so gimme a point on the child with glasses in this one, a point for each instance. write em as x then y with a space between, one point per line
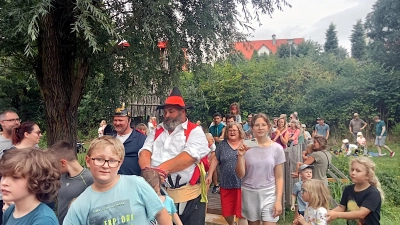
29 177
317 196
114 198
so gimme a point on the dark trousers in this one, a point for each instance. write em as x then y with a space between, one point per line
194 213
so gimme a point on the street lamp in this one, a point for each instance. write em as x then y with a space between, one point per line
290 42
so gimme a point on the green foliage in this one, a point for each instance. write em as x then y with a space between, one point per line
66 44
358 44
382 26
331 40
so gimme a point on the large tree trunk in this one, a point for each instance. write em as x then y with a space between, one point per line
61 74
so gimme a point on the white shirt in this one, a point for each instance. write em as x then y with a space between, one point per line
150 125
168 146
212 149
123 138
315 216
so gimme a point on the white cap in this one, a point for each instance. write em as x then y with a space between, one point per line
345 141
359 134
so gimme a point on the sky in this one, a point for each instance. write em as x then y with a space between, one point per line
310 19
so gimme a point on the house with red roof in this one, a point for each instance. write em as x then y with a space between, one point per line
264 46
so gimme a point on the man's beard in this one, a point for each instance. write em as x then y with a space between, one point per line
171 123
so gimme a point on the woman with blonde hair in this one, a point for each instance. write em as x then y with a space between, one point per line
361 202
294 132
281 136
142 128
230 184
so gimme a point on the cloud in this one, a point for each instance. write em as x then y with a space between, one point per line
311 18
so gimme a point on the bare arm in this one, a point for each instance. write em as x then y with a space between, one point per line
163 218
339 208
278 170
176 219
292 202
284 138
178 163
310 160
144 159
277 133
327 134
365 125
221 137
383 130
213 165
240 166
357 214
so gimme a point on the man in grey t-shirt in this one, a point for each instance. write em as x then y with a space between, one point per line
321 129
356 125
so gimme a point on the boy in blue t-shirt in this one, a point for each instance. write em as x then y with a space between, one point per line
30 177
305 174
114 198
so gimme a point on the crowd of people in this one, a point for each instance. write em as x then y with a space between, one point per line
161 173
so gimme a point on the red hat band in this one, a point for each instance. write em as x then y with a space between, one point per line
175 100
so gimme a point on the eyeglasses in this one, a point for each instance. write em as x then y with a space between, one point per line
37 132
101 162
232 131
13 120
303 190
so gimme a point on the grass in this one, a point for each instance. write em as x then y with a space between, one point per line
387 170
388 173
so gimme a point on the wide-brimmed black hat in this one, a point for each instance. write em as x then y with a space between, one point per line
175 98
122 111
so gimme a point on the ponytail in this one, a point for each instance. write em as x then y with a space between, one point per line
15 138
19 132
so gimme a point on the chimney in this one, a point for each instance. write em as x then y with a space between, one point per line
273 39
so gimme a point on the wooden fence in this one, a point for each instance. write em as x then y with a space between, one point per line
293 155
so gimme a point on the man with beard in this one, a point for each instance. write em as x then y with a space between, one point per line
175 156
132 139
8 120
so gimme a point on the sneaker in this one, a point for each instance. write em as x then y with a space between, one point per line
215 189
392 154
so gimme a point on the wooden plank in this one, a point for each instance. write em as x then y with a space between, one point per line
336 170
342 180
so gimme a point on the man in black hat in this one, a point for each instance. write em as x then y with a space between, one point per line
132 139
173 149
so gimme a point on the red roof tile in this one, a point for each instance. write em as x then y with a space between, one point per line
247 48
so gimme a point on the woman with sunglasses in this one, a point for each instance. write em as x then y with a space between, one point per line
27 135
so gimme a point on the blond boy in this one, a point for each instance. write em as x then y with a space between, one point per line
114 198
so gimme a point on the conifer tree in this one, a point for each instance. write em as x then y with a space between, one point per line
358 43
